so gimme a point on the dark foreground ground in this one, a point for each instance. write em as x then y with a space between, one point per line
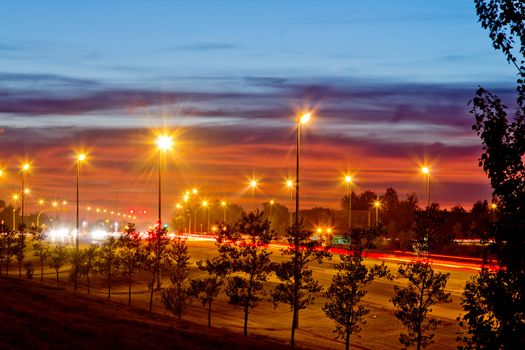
35 316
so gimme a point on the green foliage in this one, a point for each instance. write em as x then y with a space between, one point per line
298 287
431 229
58 258
278 214
40 250
19 251
7 248
74 272
363 238
346 291
155 247
492 319
505 20
207 289
175 297
108 264
249 257
494 301
131 254
412 304
397 215
88 263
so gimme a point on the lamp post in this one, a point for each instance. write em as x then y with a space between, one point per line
295 318
186 198
253 185
223 205
195 191
15 198
302 120
425 170
80 158
25 167
205 205
164 143
272 202
494 206
348 180
289 183
377 204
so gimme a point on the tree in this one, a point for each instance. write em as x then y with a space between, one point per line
207 289
481 219
156 244
279 218
297 286
130 253
494 301
89 263
19 250
40 250
7 245
77 259
346 291
431 231
175 298
108 263
58 258
251 260
412 304
363 238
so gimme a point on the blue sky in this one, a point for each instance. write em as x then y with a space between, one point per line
390 81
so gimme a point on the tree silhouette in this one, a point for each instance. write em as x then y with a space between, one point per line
131 254
7 248
19 251
58 258
413 303
108 263
156 244
40 250
494 301
250 260
297 285
88 264
346 291
218 268
175 297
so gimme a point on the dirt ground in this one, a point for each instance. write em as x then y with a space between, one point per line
266 321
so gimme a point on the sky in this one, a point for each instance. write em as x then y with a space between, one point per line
388 84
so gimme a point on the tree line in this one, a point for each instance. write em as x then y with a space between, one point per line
240 270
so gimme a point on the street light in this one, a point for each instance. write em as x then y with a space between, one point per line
25 167
164 143
303 119
289 184
272 202
377 204
425 170
494 206
224 205
253 185
205 205
195 191
15 198
80 158
348 180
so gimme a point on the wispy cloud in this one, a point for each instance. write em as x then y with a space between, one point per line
210 46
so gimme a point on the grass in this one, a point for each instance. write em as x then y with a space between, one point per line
38 316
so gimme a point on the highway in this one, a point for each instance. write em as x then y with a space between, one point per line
381 290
